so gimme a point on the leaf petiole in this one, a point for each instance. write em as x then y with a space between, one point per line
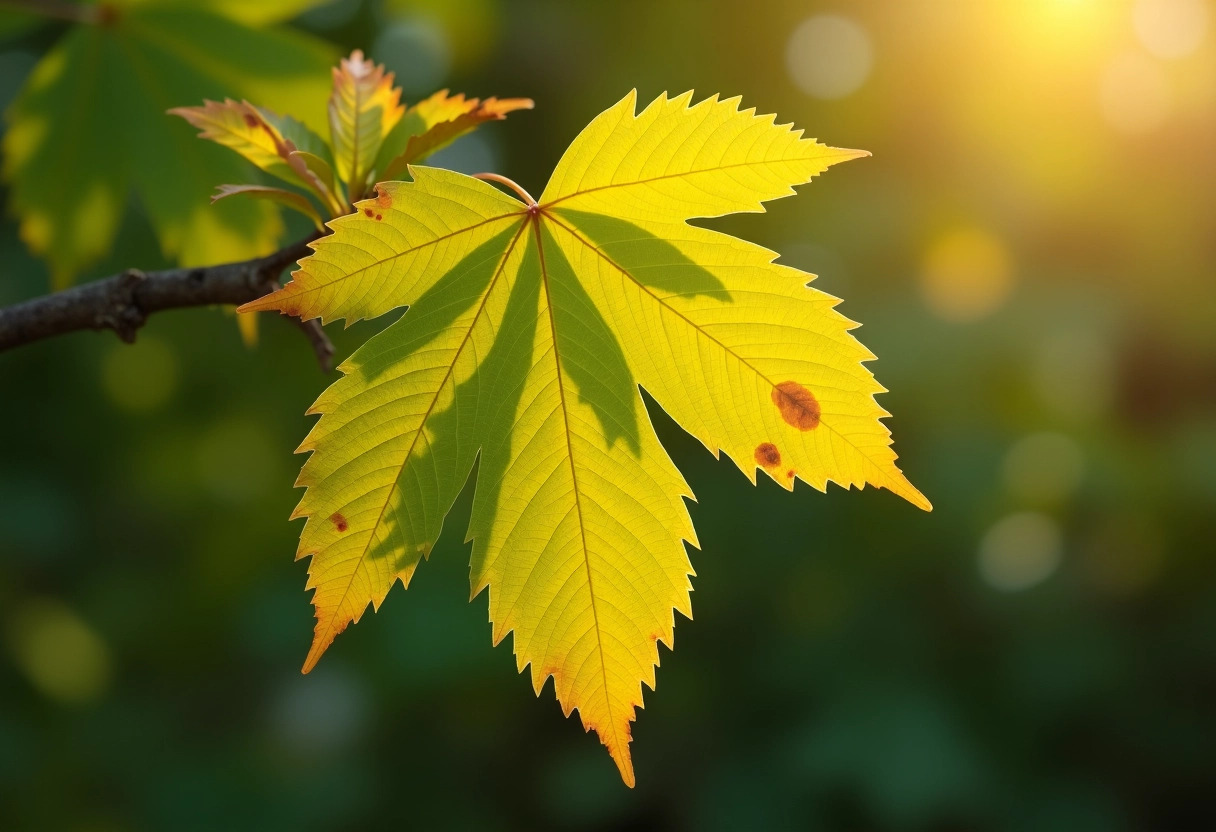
510 183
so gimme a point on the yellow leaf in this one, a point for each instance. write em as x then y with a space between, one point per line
363 109
242 127
447 216
436 122
531 328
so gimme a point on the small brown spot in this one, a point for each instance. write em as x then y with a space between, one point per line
383 198
798 405
368 211
339 521
379 216
251 120
768 455
790 473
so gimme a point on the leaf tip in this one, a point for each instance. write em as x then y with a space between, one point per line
845 154
315 652
261 304
911 493
276 301
322 638
630 102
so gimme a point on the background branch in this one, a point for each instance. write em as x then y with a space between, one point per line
124 302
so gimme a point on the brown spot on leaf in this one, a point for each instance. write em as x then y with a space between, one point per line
339 521
798 406
251 120
368 211
379 216
383 198
790 473
768 455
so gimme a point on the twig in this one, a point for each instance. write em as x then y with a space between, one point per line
124 302
321 344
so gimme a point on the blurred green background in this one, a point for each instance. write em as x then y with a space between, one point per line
1032 250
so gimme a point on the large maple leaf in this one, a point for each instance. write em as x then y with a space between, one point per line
532 328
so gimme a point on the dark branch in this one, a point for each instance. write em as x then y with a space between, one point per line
124 302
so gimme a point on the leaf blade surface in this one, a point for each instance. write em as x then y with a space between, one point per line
532 330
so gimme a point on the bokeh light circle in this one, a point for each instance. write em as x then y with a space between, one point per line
1044 467
1135 93
140 377
967 275
62 656
829 56
1171 28
1020 551
416 52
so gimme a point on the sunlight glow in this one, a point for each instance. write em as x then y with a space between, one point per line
1171 28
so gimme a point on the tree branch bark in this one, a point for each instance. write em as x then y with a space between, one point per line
124 302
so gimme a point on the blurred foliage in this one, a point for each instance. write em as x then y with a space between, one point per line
1036 654
89 127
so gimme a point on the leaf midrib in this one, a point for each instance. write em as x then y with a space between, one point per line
582 530
417 434
545 206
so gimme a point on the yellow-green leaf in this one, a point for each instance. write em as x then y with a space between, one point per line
320 172
531 329
436 122
244 128
363 109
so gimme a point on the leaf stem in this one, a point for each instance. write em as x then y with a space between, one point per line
502 180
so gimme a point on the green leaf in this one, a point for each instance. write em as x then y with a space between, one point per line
300 135
250 12
90 127
531 329
69 171
14 23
